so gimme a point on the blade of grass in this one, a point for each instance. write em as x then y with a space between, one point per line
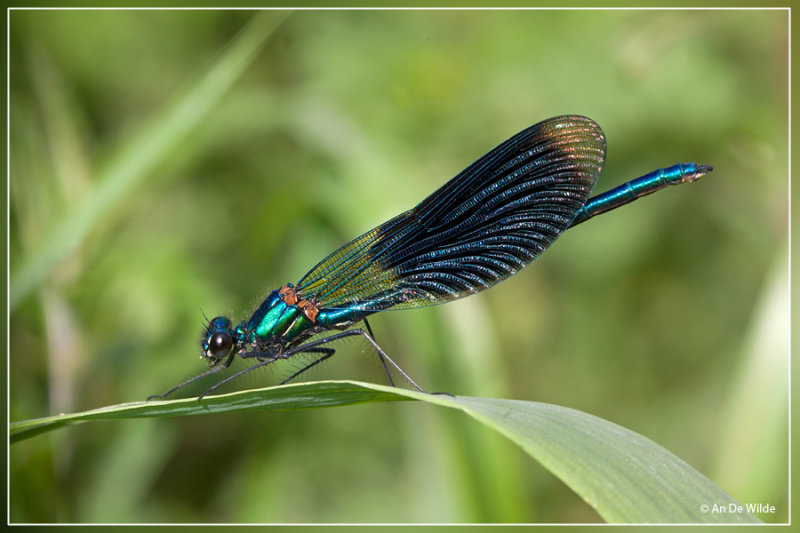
142 152
286 397
626 477
754 457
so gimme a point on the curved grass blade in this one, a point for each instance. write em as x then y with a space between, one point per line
284 397
624 476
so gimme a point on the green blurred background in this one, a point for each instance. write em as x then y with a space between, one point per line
669 317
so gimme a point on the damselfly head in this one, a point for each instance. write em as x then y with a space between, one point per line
218 341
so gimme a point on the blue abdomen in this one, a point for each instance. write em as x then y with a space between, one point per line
330 318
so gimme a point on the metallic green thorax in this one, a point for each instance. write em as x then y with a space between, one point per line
276 321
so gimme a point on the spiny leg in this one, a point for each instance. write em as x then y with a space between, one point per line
327 351
350 333
262 362
383 362
309 347
213 370
265 361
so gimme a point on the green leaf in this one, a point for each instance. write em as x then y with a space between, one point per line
621 474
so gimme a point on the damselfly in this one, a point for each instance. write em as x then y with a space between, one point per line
476 230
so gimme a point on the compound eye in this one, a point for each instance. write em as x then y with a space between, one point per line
219 345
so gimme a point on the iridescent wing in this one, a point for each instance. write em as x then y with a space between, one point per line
479 228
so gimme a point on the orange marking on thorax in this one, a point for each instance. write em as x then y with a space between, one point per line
309 309
289 294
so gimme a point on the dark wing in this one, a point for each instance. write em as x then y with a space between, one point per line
479 228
